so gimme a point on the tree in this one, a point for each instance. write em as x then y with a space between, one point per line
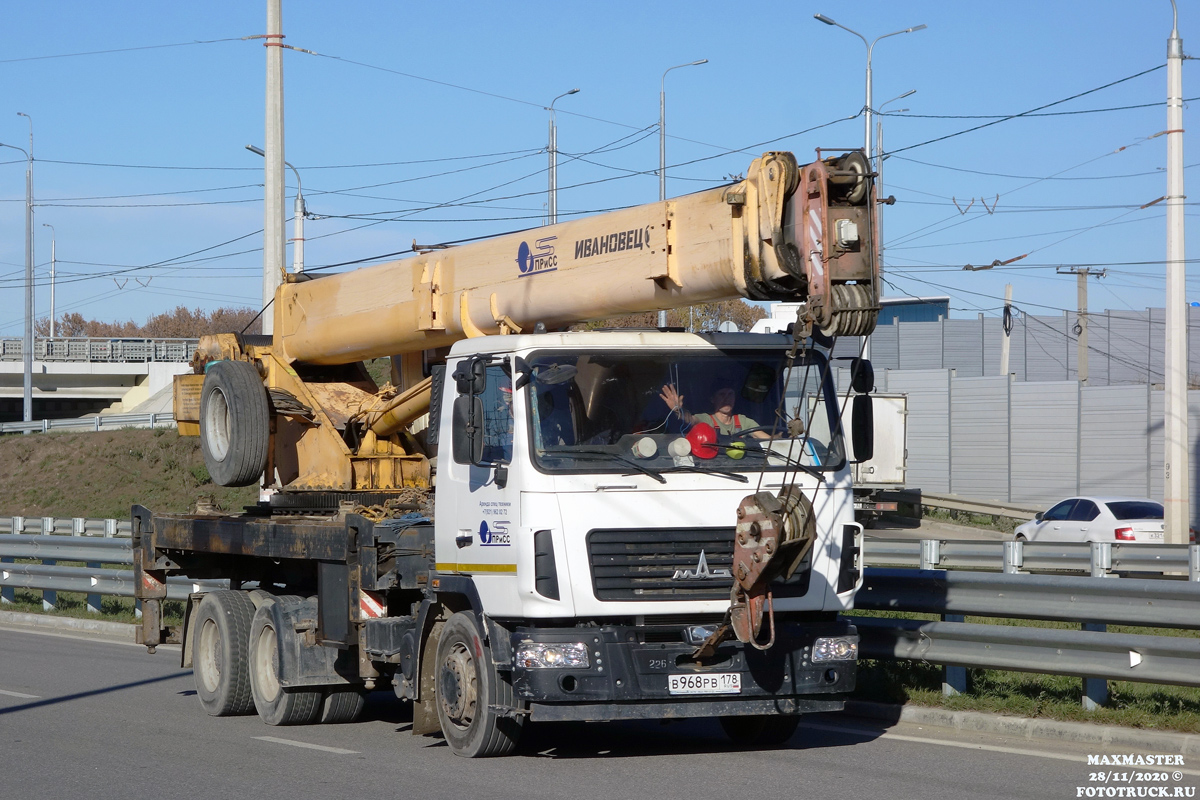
182 323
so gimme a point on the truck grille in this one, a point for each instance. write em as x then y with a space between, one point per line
631 564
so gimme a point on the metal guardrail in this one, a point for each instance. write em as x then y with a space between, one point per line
97 423
101 349
996 508
1090 653
1097 559
94 579
1064 598
73 526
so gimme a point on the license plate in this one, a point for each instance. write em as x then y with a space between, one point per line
1151 536
711 683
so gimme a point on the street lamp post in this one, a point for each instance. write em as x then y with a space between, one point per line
1176 503
53 262
27 347
662 128
298 214
870 49
552 200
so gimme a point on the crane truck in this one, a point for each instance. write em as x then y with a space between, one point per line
520 526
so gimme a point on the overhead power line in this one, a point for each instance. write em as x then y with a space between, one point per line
1026 113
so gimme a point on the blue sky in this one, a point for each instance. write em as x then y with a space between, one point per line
140 159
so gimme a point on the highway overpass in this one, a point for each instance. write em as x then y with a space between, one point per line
76 377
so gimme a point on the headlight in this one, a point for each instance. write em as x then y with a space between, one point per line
541 655
835 648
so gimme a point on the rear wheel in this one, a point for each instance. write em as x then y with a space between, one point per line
342 704
235 419
760 731
275 704
470 690
219 635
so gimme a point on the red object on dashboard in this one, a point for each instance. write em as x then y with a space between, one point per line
703 439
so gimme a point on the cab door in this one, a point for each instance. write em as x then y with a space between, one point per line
480 504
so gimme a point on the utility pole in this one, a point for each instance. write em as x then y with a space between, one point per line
552 195
1176 503
274 235
1081 318
1007 329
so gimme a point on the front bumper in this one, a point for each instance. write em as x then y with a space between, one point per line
627 677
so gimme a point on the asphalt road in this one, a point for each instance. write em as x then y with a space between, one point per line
893 527
89 718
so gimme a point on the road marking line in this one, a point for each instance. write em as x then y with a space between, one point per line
969 746
306 745
19 694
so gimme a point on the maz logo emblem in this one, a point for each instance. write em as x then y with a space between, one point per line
701 572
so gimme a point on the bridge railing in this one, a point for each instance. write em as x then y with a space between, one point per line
101 349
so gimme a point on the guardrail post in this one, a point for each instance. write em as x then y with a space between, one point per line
931 553
1194 562
94 601
1095 690
96 424
1014 557
47 526
8 594
110 528
18 525
1101 559
78 526
954 679
49 597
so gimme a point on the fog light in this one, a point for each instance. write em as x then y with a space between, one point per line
550 655
835 648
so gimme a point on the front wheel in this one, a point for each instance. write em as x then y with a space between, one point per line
470 691
760 731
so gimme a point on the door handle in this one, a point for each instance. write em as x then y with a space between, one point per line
463 540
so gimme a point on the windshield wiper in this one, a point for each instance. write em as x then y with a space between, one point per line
734 476
791 462
606 454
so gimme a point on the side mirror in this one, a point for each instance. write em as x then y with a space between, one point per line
1040 516
862 427
470 376
468 429
862 376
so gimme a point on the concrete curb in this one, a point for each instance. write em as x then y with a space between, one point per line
1103 736
115 630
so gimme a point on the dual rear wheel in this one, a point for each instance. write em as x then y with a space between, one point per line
235 659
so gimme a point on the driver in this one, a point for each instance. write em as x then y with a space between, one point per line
723 419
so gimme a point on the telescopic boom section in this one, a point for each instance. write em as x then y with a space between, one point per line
784 233
322 425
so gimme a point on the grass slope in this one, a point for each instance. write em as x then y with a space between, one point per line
103 474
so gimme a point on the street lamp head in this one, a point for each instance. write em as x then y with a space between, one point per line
698 63
573 91
256 150
824 19
22 114
920 27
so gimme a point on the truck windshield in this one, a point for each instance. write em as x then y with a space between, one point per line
719 411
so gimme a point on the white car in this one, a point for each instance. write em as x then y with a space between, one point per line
1097 519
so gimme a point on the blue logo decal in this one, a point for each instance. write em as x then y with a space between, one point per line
495 535
540 258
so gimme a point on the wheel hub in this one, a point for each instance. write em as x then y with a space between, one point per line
457 686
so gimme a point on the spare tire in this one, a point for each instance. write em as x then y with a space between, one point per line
235 423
